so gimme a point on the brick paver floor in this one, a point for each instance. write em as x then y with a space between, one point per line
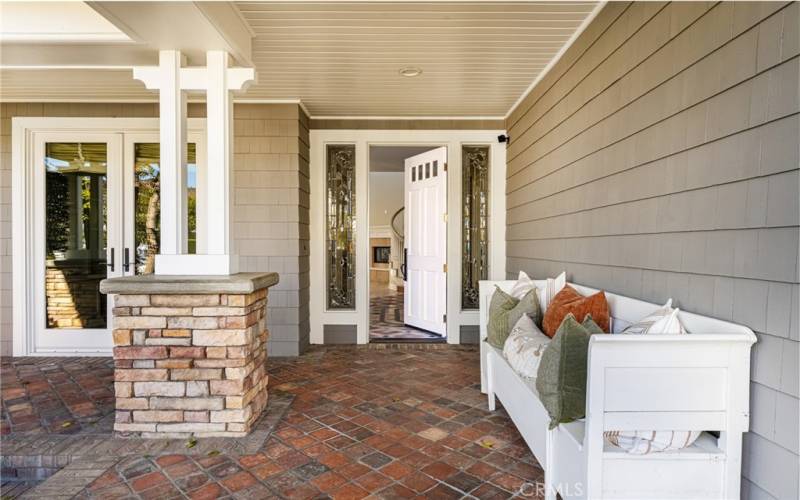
55 395
385 423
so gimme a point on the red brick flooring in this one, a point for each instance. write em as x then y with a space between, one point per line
55 395
383 423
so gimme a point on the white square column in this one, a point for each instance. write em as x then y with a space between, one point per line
166 77
219 151
218 80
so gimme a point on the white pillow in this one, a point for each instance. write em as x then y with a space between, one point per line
662 321
546 294
524 347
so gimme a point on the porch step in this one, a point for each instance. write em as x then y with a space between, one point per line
32 467
58 465
14 488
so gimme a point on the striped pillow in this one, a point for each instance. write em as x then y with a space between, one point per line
663 321
644 442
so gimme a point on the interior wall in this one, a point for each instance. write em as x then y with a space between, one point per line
658 159
270 198
386 196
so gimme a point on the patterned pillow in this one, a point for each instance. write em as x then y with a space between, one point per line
569 301
552 287
662 321
524 347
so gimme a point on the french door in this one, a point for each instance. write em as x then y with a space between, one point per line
77 225
94 214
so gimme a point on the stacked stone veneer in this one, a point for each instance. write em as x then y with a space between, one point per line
190 365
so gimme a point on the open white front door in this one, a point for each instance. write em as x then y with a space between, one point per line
425 291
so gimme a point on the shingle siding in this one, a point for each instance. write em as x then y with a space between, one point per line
659 158
271 213
270 197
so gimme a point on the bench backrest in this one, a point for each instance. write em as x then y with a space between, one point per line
624 311
661 381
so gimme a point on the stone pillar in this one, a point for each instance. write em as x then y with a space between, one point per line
189 353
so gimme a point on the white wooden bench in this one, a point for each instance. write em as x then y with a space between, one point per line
698 381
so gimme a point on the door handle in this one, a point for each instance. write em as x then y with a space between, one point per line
126 260
111 264
403 267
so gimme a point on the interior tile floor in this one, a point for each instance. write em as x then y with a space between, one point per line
379 422
386 318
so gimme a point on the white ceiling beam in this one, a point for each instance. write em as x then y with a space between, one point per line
193 28
66 56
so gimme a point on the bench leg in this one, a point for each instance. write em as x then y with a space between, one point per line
549 489
490 384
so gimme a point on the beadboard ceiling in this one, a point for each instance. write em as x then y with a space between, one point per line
343 58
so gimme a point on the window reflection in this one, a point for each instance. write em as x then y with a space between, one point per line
75 229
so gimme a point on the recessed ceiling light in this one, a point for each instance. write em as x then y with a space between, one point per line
410 71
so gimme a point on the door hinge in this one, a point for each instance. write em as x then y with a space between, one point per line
445 217
444 268
444 318
445 166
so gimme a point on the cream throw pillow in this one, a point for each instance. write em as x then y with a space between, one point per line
546 294
662 321
524 347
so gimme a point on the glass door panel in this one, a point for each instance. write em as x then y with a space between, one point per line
147 203
76 234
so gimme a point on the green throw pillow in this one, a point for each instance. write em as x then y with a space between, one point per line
561 381
505 311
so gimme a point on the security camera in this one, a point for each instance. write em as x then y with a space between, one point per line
503 138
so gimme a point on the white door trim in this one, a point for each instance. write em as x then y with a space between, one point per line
453 140
23 189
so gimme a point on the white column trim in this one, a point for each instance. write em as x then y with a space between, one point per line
215 238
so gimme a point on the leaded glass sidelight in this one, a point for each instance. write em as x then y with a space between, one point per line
341 226
475 223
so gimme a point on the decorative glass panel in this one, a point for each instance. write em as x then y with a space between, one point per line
341 227
475 223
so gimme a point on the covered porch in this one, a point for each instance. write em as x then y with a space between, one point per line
185 256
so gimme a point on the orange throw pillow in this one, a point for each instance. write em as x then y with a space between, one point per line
568 300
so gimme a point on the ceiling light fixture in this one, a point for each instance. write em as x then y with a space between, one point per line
410 71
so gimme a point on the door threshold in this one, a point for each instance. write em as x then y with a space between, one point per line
438 340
